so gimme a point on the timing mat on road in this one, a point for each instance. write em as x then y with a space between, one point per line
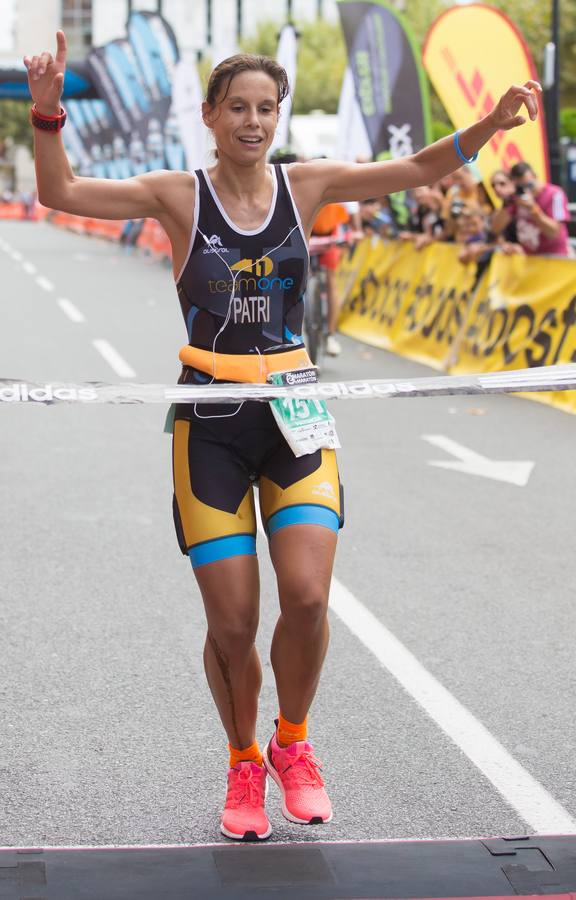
544 378
483 868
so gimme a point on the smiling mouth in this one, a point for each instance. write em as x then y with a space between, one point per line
251 140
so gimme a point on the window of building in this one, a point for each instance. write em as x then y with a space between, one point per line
77 24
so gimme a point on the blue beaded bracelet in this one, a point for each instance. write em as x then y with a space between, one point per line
459 150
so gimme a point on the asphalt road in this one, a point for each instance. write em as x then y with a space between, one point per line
463 726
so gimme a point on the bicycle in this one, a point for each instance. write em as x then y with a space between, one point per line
317 299
316 306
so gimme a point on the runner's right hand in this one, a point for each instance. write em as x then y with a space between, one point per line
46 77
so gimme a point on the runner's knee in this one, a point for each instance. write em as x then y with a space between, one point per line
235 635
304 607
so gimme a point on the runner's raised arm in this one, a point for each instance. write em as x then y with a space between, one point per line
58 186
343 181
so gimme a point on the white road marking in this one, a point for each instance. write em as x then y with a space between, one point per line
519 789
114 359
288 842
511 471
44 283
29 268
70 310
527 797
15 254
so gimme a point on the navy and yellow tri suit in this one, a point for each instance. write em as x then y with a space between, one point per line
242 297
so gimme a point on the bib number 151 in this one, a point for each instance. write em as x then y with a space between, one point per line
301 409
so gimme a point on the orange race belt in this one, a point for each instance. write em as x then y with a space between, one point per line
247 368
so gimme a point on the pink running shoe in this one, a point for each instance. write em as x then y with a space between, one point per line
244 817
297 773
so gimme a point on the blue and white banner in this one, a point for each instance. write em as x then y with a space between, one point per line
134 76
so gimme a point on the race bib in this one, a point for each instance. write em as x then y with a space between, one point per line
306 424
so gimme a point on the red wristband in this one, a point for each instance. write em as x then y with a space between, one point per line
47 123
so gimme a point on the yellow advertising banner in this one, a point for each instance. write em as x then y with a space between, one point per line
412 302
424 305
473 54
523 315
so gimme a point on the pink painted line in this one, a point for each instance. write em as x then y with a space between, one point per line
504 897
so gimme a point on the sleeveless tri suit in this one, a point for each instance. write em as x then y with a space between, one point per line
242 297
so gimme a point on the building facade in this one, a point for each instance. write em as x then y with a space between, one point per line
198 24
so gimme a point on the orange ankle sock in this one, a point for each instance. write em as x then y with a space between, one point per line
288 732
249 754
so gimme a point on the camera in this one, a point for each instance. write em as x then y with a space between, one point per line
456 208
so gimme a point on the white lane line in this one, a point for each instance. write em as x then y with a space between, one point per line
15 254
29 268
70 310
519 789
114 359
44 283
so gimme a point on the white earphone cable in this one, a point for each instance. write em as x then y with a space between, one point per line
234 276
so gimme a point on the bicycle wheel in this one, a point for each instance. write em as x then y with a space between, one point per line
313 319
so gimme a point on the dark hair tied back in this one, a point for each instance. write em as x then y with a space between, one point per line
245 62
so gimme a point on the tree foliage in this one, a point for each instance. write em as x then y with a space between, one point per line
568 122
14 123
534 21
321 62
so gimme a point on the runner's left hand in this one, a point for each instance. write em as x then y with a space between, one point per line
505 113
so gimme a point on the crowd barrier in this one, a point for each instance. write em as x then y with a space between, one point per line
428 306
152 238
16 211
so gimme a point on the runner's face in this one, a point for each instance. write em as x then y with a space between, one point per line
244 121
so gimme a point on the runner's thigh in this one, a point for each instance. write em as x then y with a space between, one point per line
213 499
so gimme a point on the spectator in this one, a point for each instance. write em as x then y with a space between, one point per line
502 185
284 156
327 224
471 233
425 223
28 202
130 233
445 184
464 190
540 211
353 206
369 210
505 190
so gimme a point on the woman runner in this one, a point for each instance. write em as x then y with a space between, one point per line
239 233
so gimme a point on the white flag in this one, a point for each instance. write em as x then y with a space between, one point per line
353 141
286 55
187 96
224 42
